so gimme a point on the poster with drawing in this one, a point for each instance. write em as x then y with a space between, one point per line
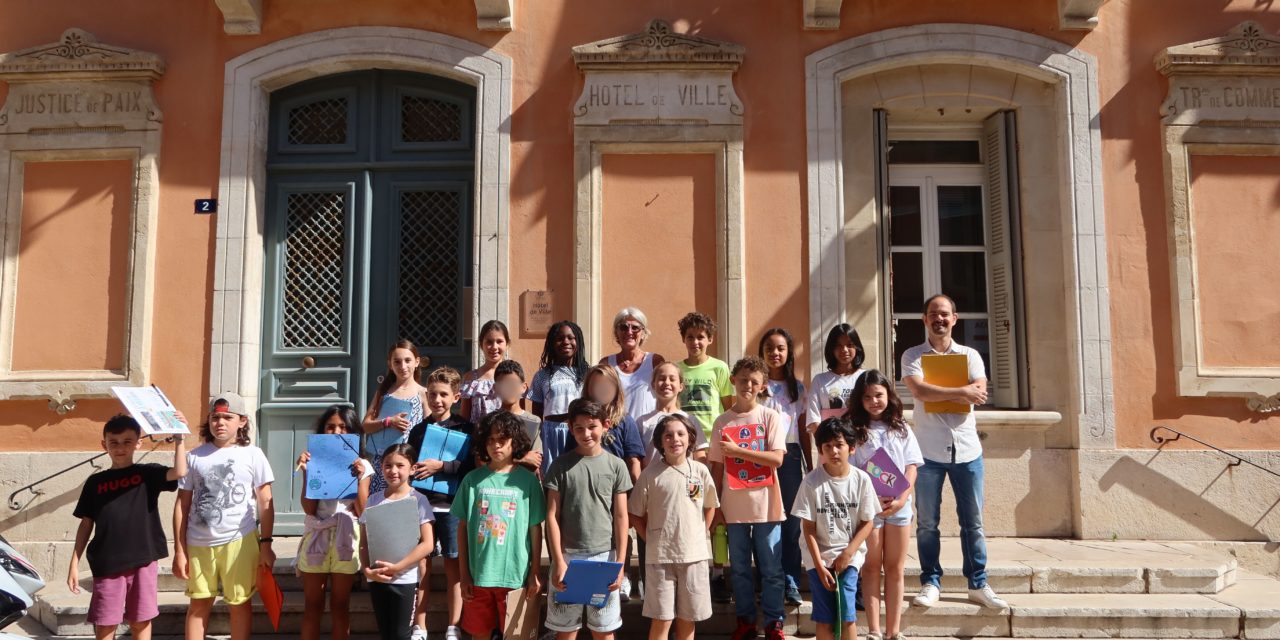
153 411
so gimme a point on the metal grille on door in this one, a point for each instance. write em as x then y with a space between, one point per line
430 273
426 120
319 122
313 267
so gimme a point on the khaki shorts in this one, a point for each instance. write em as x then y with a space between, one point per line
230 568
677 591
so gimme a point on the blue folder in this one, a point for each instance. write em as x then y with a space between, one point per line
329 473
445 445
587 582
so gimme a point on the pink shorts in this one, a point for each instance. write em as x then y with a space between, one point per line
126 596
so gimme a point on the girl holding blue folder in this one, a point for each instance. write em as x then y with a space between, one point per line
876 416
397 406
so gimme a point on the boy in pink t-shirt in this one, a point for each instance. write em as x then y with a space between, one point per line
747 447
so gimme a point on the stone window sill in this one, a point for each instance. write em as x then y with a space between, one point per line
1011 418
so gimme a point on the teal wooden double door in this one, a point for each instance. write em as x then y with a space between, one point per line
368 235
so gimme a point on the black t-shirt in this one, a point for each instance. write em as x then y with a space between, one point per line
126 521
419 432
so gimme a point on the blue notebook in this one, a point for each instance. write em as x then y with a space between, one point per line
329 473
587 582
446 445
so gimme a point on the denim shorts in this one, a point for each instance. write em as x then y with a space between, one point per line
824 602
902 518
445 529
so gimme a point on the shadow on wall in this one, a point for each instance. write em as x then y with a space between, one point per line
1199 511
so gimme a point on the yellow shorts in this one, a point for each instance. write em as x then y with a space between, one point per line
230 569
331 563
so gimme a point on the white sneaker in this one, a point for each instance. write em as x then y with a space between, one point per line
453 633
624 589
986 596
417 633
928 596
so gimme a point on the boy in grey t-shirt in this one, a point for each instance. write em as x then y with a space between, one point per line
586 520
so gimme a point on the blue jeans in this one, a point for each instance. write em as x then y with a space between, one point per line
761 540
790 475
966 484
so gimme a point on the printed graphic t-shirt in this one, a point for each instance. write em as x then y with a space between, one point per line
837 506
704 386
222 483
126 522
499 509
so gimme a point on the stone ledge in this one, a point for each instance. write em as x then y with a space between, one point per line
1015 419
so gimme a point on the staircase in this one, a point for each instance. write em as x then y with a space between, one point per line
1055 589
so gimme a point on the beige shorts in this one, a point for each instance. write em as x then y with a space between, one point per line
677 591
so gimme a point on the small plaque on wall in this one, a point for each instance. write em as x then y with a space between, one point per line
536 309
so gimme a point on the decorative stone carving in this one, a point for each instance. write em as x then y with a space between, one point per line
78 82
822 14
1223 100
658 91
658 76
78 99
495 15
1079 15
241 17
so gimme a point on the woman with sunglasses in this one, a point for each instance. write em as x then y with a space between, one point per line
632 363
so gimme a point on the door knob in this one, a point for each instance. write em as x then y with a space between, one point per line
308 362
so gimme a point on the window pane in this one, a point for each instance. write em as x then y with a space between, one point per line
908 333
906 281
964 278
960 216
973 333
904 216
934 152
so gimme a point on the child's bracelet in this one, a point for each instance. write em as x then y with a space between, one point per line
386 422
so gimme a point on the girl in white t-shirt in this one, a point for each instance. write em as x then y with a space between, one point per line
878 424
786 396
667 383
478 396
393 584
833 388
329 553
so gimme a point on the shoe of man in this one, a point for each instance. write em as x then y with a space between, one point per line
746 630
417 633
986 596
773 631
928 596
793 596
720 589
453 633
624 590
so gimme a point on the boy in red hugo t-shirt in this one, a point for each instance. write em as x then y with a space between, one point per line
118 506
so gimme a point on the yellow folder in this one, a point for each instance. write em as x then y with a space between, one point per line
946 370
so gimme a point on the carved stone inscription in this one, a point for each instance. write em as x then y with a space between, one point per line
705 97
57 105
1205 99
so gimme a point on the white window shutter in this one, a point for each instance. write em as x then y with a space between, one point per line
1006 386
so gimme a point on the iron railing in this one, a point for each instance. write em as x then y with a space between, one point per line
15 505
1238 460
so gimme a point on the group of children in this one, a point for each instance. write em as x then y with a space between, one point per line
675 450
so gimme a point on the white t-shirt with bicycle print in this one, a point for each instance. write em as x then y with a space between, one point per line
222 483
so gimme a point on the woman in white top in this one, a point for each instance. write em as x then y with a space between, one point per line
833 388
633 364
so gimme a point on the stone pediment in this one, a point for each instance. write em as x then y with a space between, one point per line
1246 45
78 54
658 46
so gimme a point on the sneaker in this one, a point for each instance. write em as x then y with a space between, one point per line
720 589
624 590
928 596
897 636
873 636
986 596
773 631
453 633
793 596
417 633
746 630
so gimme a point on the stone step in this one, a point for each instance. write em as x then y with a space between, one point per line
1249 609
1014 565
